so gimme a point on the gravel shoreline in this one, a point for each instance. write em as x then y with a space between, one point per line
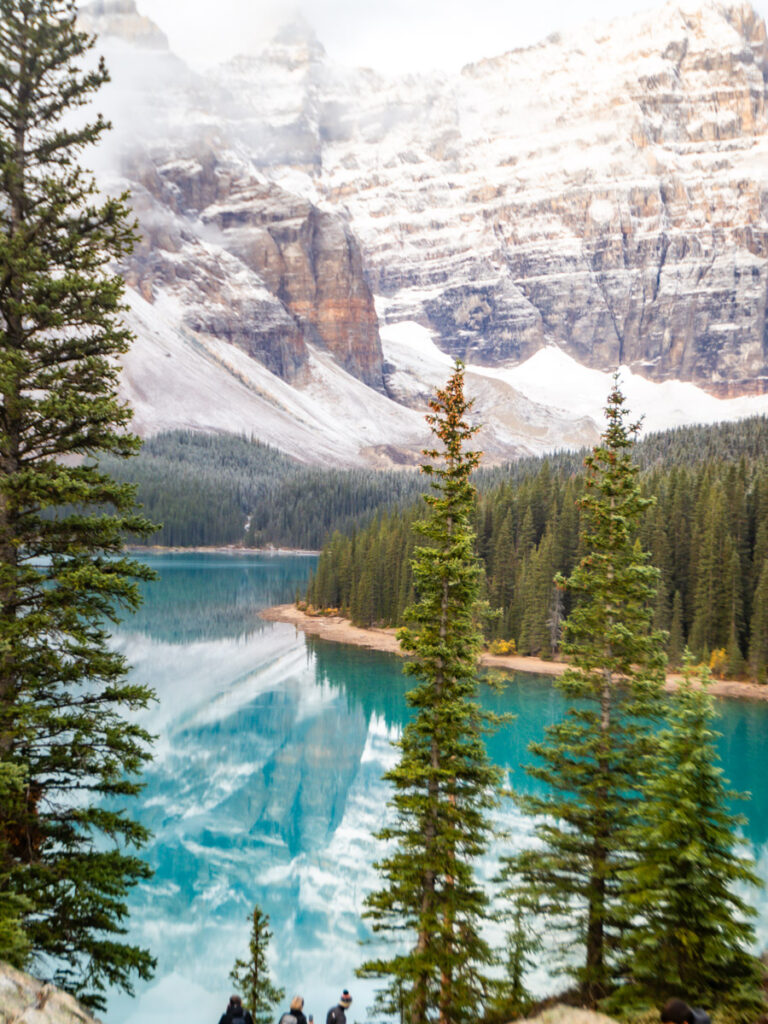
340 630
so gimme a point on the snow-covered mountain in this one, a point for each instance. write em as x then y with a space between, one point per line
319 242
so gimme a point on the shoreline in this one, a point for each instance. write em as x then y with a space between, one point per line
340 630
222 549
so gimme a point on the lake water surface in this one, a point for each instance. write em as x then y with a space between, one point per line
266 785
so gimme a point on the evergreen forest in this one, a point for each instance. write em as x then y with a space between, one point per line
706 531
212 489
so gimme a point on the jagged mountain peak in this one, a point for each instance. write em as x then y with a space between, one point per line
121 19
294 45
704 24
296 31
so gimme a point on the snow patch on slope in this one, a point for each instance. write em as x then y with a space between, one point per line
174 378
554 378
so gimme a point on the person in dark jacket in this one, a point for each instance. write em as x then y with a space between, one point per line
337 1014
236 1013
675 1011
296 1013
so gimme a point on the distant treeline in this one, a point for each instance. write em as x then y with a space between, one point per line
209 489
707 533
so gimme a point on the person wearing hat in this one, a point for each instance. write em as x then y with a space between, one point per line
236 1013
337 1014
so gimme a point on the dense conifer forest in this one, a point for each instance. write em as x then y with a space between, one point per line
707 533
209 489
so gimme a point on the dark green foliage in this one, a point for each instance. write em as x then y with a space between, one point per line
444 784
209 489
66 858
14 944
675 644
513 1000
372 581
707 534
690 930
758 644
712 596
251 976
591 760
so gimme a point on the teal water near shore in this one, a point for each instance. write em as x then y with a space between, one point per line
266 784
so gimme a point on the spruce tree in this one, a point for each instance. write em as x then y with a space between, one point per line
690 929
591 760
68 848
444 784
14 944
676 642
712 596
251 976
660 555
513 1000
758 647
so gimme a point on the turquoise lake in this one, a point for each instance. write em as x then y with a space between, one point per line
266 785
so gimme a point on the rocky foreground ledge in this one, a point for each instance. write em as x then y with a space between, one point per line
560 1014
24 1000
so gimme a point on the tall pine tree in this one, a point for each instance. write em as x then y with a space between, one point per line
444 784
591 760
68 848
690 928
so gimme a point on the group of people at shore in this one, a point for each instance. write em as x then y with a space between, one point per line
674 1011
236 1013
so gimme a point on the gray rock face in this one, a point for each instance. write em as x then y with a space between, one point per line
311 261
604 192
251 263
24 1000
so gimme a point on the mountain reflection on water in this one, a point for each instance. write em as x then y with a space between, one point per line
266 785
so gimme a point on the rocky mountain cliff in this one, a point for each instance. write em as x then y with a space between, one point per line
604 192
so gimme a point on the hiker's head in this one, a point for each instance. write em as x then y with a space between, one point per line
675 1011
235 1001
345 1000
297 1003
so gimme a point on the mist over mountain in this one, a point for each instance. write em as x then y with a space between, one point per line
319 242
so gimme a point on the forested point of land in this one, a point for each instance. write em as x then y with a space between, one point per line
707 533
